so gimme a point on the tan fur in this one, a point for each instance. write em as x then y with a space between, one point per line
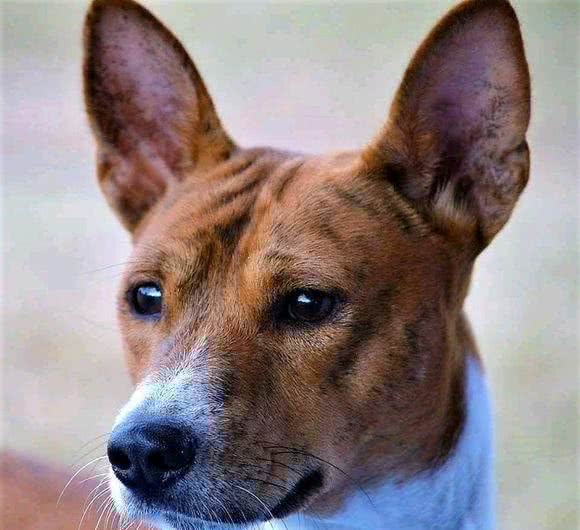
392 230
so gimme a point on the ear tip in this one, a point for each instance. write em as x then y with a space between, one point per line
98 8
102 14
471 9
495 18
100 4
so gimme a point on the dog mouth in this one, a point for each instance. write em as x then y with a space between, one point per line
299 495
243 512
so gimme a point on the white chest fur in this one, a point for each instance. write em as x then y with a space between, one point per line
457 496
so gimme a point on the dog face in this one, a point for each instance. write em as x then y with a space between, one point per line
293 323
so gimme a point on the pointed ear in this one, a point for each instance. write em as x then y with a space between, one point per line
149 109
454 144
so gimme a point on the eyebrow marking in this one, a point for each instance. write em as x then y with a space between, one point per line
408 219
327 230
280 257
408 223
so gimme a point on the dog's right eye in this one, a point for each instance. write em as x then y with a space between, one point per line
146 299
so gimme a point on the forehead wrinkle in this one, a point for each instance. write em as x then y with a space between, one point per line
215 207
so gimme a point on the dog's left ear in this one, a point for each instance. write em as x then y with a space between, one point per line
454 144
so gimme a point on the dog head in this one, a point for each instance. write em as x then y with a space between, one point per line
293 323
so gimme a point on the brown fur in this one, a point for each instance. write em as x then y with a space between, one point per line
392 230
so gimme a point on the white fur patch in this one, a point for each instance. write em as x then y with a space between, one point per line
137 398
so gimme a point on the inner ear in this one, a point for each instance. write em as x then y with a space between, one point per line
456 130
151 113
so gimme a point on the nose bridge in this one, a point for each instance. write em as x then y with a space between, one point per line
187 380
192 374
201 352
177 392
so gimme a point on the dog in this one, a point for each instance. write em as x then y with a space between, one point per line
293 323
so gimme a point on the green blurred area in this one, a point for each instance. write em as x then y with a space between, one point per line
307 76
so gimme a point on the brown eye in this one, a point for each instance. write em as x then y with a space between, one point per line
146 299
309 305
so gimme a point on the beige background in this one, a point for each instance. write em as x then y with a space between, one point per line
305 76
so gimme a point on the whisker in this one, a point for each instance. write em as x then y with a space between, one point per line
283 488
73 477
225 510
102 509
278 463
80 458
266 472
97 496
262 503
108 267
93 440
100 475
101 483
110 512
290 450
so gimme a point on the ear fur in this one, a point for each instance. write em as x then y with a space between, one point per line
149 109
454 144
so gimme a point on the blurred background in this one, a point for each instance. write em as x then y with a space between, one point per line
307 76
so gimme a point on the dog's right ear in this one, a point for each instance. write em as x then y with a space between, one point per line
149 109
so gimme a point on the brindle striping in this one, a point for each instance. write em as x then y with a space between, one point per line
388 233
284 180
361 332
359 200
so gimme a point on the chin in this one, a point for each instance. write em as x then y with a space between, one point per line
170 514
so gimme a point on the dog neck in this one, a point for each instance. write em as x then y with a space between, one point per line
458 495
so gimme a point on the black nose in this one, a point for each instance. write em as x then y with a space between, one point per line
150 454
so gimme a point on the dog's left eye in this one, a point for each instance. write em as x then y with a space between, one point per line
146 299
309 305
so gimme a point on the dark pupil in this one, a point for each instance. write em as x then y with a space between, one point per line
147 299
309 306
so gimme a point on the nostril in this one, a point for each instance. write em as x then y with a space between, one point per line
119 459
170 458
179 458
156 461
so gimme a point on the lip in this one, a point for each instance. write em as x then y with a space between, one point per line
231 517
234 520
156 511
299 494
